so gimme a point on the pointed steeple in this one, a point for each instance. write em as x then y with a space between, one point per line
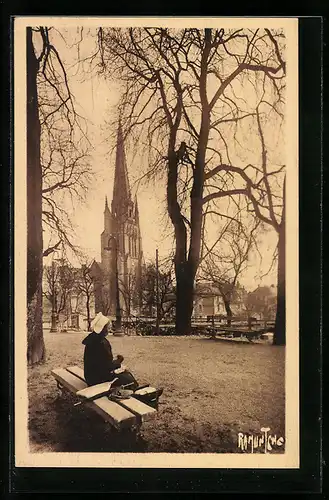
136 209
108 219
121 189
138 226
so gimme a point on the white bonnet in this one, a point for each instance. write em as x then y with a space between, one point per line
99 322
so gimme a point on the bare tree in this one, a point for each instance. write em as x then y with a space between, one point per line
63 178
265 195
64 147
59 284
129 291
181 92
51 112
84 286
104 292
227 259
35 342
166 288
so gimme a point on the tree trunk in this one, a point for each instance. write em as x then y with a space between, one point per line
184 291
279 337
185 274
35 342
88 314
187 266
228 311
184 299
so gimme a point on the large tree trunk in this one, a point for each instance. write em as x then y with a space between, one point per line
35 342
184 299
280 320
184 293
187 266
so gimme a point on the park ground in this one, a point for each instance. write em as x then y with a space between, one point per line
213 389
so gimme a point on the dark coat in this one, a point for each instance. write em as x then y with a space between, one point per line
98 359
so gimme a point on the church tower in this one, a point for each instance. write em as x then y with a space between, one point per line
121 242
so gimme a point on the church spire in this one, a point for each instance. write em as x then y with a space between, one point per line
108 220
136 208
121 189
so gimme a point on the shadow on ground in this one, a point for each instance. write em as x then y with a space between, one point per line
65 428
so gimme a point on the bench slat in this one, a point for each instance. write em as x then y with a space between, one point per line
143 411
76 370
89 392
145 390
118 416
112 412
68 380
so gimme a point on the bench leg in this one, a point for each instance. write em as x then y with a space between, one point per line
60 387
135 433
63 392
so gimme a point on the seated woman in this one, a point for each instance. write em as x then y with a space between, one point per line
99 364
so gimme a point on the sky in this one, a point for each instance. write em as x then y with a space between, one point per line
96 100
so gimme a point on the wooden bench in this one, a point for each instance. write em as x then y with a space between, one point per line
122 414
228 331
250 335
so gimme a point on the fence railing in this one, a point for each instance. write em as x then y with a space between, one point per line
210 324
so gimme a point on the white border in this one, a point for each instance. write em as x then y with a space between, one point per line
162 460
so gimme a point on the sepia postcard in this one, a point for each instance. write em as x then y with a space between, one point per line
156 242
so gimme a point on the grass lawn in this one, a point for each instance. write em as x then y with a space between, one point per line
212 391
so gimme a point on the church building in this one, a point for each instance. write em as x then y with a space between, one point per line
121 246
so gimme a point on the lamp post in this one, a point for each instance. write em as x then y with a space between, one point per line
117 328
53 328
54 315
157 325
